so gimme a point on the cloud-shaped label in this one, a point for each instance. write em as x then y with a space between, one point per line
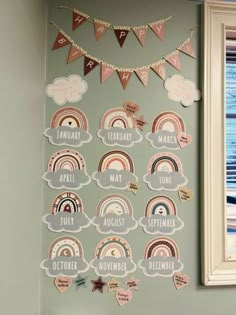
113 223
64 135
112 178
109 266
163 139
160 224
66 222
160 266
64 178
125 137
68 89
181 90
165 180
66 266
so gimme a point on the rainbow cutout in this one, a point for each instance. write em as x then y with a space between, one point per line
66 246
163 247
168 121
164 162
114 204
117 160
66 160
117 117
68 202
113 246
69 117
161 205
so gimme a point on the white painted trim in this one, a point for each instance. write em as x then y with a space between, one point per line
218 16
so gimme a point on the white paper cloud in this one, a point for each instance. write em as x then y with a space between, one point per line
68 89
181 90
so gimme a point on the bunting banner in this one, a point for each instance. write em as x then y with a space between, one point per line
124 74
121 32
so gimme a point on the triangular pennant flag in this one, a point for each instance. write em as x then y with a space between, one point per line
100 28
121 35
158 28
60 41
143 75
78 19
160 69
124 77
89 65
141 33
187 48
106 72
174 60
75 53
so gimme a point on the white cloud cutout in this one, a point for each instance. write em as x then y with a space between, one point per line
181 90
68 89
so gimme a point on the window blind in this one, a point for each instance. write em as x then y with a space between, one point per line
231 115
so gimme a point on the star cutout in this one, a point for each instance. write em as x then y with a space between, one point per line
141 122
98 285
134 187
113 285
132 283
80 282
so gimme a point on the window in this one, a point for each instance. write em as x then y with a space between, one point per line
230 104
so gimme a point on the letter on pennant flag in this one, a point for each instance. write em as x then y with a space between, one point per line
106 72
100 28
187 48
74 54
121 35
158 28
78 19
160 69
89 65
141 33
60 41
124 77
174 60
143 75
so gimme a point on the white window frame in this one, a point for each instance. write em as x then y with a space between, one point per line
217 270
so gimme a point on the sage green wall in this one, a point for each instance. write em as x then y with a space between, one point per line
155 295
22 68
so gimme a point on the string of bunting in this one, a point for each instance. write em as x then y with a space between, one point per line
90 62
120 31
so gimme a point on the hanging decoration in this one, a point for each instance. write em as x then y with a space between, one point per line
121 32
124 74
